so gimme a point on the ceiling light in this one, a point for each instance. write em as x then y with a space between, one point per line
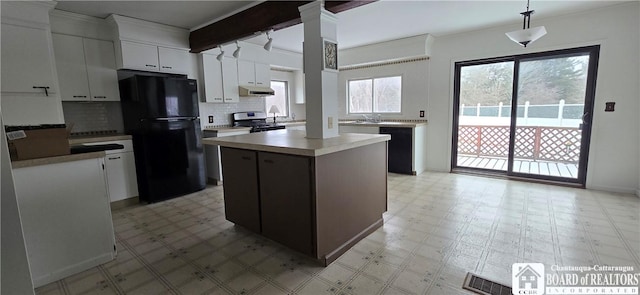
267 46
527 35
236 53
221 55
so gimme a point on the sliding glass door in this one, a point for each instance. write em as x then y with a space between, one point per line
526 116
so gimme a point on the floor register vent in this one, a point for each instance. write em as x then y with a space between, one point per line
484 286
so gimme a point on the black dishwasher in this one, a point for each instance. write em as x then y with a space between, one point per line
400 149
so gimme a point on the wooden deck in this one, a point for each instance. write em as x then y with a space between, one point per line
521 166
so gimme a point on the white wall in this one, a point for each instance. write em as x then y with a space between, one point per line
415 77
613 158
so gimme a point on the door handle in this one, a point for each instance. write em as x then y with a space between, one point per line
584 118
113 158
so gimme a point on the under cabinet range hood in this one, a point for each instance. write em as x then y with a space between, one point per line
255 91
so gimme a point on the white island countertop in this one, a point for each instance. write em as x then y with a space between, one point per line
294 142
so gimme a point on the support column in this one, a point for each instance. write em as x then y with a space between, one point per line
321 70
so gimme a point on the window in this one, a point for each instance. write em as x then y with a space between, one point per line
377 95
280 99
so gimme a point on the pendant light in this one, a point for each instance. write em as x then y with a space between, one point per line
527 35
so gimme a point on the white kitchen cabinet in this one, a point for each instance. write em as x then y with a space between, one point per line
27 60
212 72
173 60
66 218
121 170
86 69
138 56
101 70
230 80
220 79
253 74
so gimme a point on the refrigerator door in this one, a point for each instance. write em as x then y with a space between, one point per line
169 159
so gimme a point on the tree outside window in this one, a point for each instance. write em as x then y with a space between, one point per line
280 99
377 95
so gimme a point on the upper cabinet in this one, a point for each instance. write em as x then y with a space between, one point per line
253 73
86 69
147 46
138 56
173 60
27 63
220 79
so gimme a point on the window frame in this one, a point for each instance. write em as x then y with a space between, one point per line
286 98
373 78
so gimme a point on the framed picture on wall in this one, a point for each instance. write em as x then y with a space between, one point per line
330 56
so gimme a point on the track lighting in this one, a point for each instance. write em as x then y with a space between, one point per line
221 55
267 46
236 53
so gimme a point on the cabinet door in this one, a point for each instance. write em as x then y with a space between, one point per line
246 73
173 60
212 70
285 200
101 70
27 60
139 56
71 67
241 195
121 176
230 80
263 75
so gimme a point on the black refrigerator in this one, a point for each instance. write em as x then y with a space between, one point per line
161 115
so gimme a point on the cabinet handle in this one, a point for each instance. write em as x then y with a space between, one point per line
46 89
79 96
165 67
268 161
114 158
99 97
153 66
245 158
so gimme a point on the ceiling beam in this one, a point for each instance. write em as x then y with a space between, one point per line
268 15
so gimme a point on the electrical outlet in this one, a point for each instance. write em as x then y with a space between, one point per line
421 113
211 119
330 122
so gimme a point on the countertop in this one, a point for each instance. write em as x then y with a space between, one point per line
54 160
97 138
294 142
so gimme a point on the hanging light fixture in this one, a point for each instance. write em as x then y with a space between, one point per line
236 53
221 55
267 46
527 35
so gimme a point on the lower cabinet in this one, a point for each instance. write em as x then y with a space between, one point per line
260 196
121 170
241 192
285 205
400 149
66 218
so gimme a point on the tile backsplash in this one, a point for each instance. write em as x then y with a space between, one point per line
221 112
93 116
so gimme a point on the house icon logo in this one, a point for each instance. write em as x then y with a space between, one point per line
527 278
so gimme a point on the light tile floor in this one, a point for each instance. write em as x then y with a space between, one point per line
439 226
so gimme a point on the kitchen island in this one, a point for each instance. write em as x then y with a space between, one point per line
316 196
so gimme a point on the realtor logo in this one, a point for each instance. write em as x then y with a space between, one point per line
527 278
